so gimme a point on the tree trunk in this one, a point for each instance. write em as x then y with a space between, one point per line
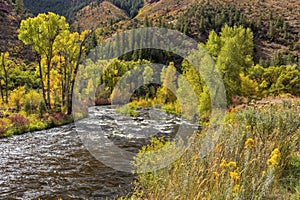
70 93
42 82
48 83
1 92
5 77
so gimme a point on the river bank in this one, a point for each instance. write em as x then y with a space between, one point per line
55 163
20 123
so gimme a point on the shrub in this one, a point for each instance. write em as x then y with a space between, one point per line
20 123
17 97
3 127
32 101
127 110
36 124
57 118
247 161
27 107
42 108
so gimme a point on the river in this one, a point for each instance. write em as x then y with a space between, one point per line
55 163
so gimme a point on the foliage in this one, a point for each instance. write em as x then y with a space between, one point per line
32 100
19 123
233 52
17 97
275 80
58 119
60 52
128 110
249 88
42 108
249 158
167 93
3 126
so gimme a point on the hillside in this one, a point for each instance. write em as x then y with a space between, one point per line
157 8
9 24
276 24
67 8
96 14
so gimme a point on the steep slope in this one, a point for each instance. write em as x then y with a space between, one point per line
131 7
67 8
276 24
95 14
9 25
157 8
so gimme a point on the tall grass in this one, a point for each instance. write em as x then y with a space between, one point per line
251 160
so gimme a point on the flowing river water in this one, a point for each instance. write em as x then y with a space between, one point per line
55 163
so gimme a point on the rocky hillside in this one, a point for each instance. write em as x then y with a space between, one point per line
10 19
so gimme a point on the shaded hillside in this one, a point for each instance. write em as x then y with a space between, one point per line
131 7
9 25
67 8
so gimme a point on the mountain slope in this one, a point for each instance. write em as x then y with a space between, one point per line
276 24
157 8
95 14
9 25
67 8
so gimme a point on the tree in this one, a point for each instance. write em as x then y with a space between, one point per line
205 103
41 32
69 49
232 51
60 50
289 81
148 78
5 65
169 84
17 97
248 87
213 44
19 6
187 98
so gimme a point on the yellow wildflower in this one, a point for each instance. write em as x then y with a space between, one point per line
234 176
274 158
231 164
249 143
236 188
223 163
216 174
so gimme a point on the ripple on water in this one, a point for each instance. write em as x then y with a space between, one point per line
55 164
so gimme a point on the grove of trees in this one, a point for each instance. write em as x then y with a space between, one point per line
59 53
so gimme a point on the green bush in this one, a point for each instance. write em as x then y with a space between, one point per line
128 110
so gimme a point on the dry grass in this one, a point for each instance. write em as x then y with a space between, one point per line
248 161
93 15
